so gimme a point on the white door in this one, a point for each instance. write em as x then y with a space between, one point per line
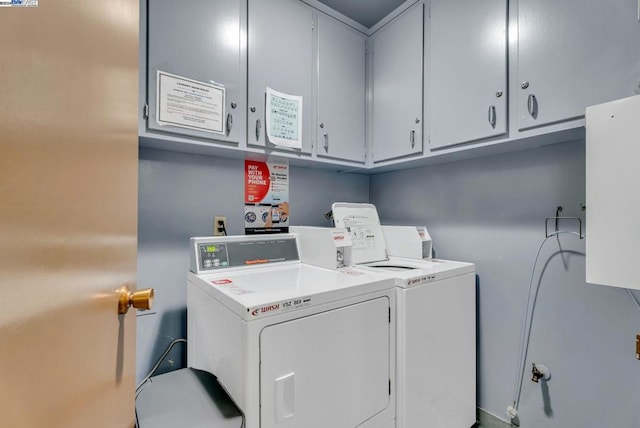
341 91
68 204
468 71
573 54
199 40
397 79
326 370
280 56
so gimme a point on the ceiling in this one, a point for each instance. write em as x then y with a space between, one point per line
366 12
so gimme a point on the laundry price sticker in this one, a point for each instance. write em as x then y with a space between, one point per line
351 272
229 286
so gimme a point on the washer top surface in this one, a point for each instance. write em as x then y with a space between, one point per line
257 292
412 272
370 252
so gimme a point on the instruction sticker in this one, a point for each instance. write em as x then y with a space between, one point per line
351 272
228 285
284 119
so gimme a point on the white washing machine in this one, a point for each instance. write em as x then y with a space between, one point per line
436 359
294 345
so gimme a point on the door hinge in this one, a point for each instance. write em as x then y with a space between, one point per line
145 111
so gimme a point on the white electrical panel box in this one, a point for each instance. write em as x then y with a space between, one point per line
408 241
323 246
613 199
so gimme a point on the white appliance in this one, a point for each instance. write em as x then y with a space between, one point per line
436 354
294 345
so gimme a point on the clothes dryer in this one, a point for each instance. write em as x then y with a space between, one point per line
436 354
294 345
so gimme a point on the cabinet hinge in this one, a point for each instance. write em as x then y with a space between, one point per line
145 111
389 386
389 315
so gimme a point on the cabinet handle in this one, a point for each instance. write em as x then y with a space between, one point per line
258 127
492 116
326 142
229 123
412 138
532 106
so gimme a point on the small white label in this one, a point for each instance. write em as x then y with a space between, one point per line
351 272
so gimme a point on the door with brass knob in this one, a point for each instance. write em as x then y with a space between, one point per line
69 196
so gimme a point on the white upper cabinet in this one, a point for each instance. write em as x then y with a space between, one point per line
280 57
201 42
341 91
573 54
468 71
613 201
396 87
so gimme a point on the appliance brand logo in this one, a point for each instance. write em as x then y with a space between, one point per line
265 309
421 279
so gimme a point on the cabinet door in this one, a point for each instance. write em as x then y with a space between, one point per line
326 370
468 71
396 107
612 152
573 54
280 57
199 41
341 91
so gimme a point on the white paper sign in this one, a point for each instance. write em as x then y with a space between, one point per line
188 103
284 119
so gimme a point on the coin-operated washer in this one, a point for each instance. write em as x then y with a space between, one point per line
294 345
436 359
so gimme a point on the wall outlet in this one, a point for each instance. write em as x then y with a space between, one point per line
219 226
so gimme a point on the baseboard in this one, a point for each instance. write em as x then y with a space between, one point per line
487 420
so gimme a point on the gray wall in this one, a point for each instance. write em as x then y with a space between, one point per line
491 211
179 194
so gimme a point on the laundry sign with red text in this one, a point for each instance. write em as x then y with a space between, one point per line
266 197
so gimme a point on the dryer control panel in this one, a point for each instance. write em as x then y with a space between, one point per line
215 253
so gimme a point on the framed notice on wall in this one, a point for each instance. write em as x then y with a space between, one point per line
190 104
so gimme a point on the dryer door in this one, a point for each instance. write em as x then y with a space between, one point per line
326 370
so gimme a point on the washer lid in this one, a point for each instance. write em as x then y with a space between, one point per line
363 224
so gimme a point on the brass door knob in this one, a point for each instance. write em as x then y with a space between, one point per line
141 299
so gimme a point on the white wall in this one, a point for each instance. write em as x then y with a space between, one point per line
491 211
